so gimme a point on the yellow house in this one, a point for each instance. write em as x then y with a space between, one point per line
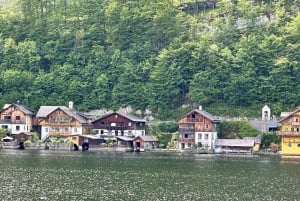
290 133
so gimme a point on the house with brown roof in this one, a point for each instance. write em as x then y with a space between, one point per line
17 118
145 142
199 128
62 121
290 132
119 124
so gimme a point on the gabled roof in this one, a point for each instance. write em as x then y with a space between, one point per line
44 111
203 113
124 138
128 116
234 142
147 138
22 108
290 114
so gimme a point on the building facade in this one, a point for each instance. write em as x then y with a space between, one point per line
62 121
197 128
17 118
119 124
290 133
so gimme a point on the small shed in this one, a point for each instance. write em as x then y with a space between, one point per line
125 142
92 140
145 142
242 146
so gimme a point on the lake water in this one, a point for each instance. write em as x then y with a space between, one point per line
65 175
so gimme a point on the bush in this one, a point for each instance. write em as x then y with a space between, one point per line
27 143
168 127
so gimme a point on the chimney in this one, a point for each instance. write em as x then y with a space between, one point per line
71 104
200 107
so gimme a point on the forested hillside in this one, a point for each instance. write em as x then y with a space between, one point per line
156 54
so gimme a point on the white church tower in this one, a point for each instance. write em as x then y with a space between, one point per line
266 113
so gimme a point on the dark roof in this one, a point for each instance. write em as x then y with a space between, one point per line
261 125
44 111
128 116
124 138
205 114
147 138
234 142
257 140
22 108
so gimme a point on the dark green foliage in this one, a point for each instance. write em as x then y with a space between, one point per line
268 138
235 129
168 127
150 54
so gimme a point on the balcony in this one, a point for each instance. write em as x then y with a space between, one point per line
55 133
188 140
186 129
295 123
194 119
288 133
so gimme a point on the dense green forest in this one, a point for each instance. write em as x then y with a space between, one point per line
150 54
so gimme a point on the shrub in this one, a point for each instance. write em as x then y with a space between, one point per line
27 143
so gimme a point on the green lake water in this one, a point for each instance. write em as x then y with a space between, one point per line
66 175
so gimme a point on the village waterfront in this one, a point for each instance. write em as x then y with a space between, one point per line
67 175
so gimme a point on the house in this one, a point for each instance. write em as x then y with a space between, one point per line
17 118
145 142
234 146
290 133
119 124
197 128
62 121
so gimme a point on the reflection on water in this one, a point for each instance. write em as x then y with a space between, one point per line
54 175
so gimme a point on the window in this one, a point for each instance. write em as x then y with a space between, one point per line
102 131
289 144
75 130
4 126
18 118
66 129
7 117
206 137
116 116
17 128
129 123
297 129
298 145
46 130
143 133
186 135
206 126
129 132
199 136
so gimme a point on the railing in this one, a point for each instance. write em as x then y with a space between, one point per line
190 140
288 133
190 129
295 123
61 133
194 119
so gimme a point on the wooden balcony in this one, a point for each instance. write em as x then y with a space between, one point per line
295 123
189 140
186 129
192 120
54 133
288 133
